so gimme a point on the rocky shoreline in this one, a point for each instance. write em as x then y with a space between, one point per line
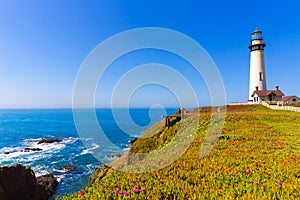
20 183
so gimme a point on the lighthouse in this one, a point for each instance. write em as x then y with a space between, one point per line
257 63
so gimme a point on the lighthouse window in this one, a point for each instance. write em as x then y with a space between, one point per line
261 76
257 36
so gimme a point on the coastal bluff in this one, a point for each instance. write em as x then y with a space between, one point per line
256 156
20 183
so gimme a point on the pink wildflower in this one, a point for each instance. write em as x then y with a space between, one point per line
118 192
136 191
81 192
279 182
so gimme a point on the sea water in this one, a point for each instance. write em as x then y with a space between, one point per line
21 128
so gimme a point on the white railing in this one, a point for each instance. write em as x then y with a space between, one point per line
280 107
238 103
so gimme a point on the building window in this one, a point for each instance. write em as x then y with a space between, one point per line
294 100
261 77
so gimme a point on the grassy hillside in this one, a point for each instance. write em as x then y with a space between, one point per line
257 156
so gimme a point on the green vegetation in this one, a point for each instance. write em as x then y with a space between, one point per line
162 135
257 156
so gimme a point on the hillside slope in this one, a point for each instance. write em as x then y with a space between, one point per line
257 156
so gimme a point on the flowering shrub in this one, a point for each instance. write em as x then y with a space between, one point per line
257 157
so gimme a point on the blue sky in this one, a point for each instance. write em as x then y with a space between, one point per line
43 43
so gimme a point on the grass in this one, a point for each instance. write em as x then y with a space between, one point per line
257 156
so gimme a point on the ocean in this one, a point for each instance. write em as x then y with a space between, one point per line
24 128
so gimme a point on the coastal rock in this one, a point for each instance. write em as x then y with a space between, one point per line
17 182
47 182
20 183
115 156
48 141
69 167
99 174
133 140
27 149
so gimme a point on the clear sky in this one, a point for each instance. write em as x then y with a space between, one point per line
43 43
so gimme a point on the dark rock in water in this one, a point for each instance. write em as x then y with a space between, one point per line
49 141
115 155
47 182
99 174
20 183
27 149
69 167
133 140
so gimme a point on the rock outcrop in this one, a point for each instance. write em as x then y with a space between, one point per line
99 174
28 149
69 168
47 141
47 182
133 140
20 183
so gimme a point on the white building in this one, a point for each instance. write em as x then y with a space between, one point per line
267 95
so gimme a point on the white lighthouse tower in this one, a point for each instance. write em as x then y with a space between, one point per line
257 63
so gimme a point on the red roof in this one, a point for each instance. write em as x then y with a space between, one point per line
286 98
264 93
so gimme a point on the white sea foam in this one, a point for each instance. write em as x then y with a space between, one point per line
17 153
59 177
90 168
60 170
126 149
86 151
40 172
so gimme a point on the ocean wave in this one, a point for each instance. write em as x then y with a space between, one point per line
19 153
86 151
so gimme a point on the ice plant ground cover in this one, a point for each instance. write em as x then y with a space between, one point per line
257 156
